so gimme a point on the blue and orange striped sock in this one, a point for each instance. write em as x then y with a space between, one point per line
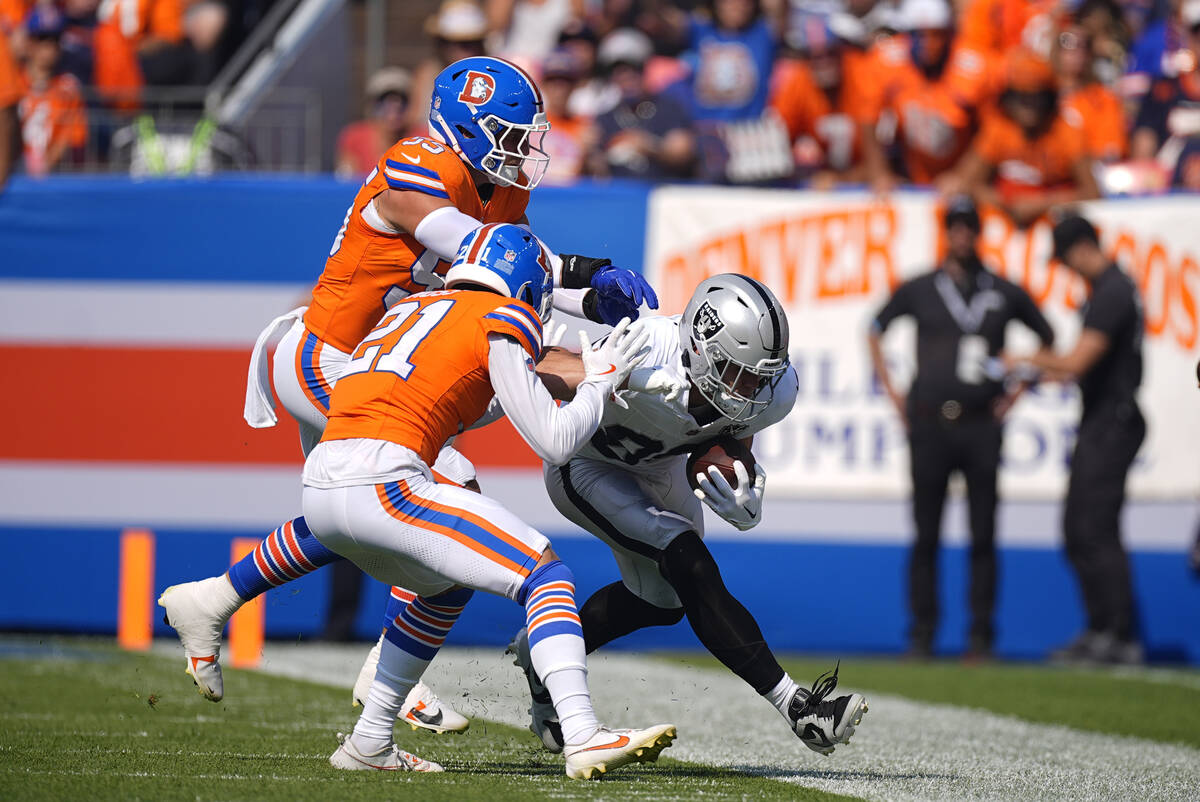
398 599
288 553
412 639
556 647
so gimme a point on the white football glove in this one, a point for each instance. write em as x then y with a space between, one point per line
616 356
741 507
666 382
553 333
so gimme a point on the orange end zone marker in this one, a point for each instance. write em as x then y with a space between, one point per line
246 626
135 590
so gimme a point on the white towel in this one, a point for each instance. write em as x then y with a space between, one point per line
260 404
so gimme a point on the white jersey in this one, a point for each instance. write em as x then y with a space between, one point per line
654 432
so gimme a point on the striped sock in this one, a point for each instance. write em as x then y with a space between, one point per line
412 639
288 553
556 648
398 599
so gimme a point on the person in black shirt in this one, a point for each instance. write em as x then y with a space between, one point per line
1107 364
954 412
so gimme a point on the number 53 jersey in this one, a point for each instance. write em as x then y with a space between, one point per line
653 432
372 265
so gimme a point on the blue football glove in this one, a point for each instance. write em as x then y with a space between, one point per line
620 292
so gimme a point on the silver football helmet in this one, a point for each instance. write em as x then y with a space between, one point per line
734 335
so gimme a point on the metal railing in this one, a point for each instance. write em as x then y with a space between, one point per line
174 133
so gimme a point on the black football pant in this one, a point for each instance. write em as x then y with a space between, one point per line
937 448
1109 439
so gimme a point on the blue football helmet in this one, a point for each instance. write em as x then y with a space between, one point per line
508 259
490 113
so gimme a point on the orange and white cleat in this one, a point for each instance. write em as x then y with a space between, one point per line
198 611
390 758
609 749
422 709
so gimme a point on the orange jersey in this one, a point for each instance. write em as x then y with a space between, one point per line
936 117
1024 166
994 27
1101 116
52 115
368 269
11 85
807 111
422 375
13 13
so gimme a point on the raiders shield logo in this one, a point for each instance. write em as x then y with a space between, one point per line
479 88
706 324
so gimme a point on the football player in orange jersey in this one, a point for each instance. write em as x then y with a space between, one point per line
933 85
1028 156
433 366
399 234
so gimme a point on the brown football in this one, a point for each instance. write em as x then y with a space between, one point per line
721 452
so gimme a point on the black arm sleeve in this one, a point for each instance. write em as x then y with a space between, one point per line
898 305
1029 314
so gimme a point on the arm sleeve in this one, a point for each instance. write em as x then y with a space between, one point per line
1029 314
898 305
554 433
570 302
443 230
1108 309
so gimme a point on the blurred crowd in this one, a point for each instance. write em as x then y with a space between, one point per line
60 58
1023 103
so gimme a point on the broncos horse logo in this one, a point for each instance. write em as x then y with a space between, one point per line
478 89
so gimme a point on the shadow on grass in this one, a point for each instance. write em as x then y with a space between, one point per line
776 773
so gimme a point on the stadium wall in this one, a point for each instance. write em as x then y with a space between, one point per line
127 311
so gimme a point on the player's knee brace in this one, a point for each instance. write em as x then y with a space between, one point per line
688 565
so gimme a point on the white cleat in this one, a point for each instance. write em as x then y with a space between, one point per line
822 724
422 708
390 758
543 717
610 749
193 609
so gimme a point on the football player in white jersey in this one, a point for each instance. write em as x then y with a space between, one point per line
722 370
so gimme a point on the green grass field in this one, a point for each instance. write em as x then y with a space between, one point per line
83 720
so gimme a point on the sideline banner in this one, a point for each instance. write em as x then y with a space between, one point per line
833 258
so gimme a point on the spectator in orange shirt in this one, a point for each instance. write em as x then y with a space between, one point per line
1100 111
361 144
933 86
813 92
137 42
1029 156
10 92
569 138
53 119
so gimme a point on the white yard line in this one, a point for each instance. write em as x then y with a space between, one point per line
902 750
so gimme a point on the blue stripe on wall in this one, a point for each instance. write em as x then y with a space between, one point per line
841 599
249 228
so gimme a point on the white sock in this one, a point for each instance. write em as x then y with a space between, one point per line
781 695
559 661
220 594
394 678
573 703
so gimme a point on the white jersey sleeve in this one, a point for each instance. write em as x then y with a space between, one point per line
555 433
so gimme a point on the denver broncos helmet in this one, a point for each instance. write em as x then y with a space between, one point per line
490 113
508 259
